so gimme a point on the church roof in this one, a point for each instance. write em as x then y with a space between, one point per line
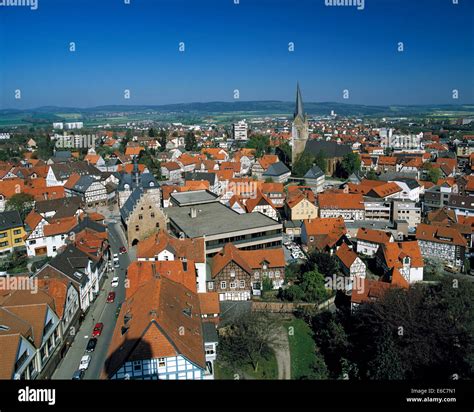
329 148
299 111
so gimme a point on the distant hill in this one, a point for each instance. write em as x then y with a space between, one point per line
250 108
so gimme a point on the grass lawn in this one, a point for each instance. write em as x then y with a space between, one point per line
267 369
302 348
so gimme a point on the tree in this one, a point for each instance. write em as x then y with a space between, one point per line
293 293
431 329
21 202
350 164
325 263
284 153
332 339
371 175
260 143
321 161
303 163
387 364
190 143
313 286
151 132
267 285
152 164
433 173
163 140
248 339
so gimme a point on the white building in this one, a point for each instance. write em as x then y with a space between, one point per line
239 130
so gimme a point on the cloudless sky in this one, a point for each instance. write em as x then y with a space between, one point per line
227 46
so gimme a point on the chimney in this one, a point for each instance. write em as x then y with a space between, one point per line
193 212
185 264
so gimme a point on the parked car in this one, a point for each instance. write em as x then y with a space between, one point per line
115 281
116 260
85 360
111 297
91 345
450 268
97 329
78 375
123 250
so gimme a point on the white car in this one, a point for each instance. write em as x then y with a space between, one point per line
115 281
116 260
85 360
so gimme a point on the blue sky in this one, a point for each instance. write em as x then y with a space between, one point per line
228 47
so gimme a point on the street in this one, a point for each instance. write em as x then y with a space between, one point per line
100 311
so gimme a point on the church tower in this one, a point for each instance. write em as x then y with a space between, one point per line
299 130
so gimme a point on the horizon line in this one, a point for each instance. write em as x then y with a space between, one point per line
233 101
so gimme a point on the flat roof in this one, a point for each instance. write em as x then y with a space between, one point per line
194 197
215 219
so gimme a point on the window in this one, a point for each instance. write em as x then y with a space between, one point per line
32 242
311 238
137 228
270 275
242 283
232 285
157 224
54 248
19 240
210 285
152 215
137 366
21 360
232 274
17 231
4 234
277 273
257 275
140 217
161 362
223 285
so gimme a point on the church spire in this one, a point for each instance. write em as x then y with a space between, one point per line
299 102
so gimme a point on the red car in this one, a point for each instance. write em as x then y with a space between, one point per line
97 329
123 250
111 297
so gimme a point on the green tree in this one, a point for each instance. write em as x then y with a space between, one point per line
260 143
293 293
321 160
284 153
432 327
303 163
21 202
267 286
387 364
372 175
248 339
151 132
163 140
325 263
190 143
433 173
313 286
350 164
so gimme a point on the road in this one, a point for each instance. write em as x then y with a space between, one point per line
100 311
281 348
